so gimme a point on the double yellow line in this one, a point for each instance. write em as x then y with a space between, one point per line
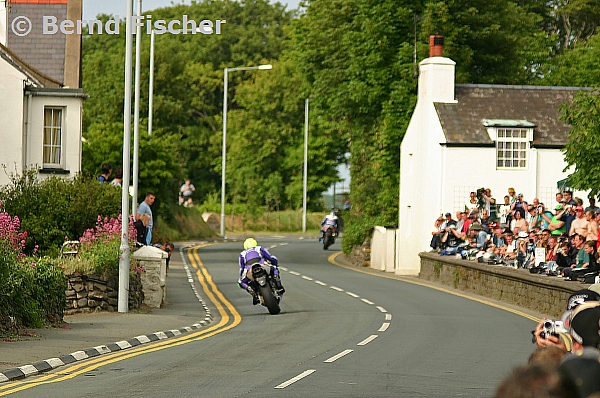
229 318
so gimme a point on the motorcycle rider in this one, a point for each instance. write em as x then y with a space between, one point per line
252 254
330 220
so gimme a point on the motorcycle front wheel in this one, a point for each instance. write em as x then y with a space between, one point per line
327 240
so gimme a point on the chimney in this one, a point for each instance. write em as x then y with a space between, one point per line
436 46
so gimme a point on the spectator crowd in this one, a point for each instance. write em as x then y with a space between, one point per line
559 239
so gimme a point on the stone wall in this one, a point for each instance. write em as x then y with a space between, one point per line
547 295
94 293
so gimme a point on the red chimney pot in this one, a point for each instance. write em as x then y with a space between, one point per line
436 46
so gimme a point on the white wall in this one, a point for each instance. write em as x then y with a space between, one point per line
11 119
421 160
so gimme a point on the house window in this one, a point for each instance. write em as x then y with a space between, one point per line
512 146
53 136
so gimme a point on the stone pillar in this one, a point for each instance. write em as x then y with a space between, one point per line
154 278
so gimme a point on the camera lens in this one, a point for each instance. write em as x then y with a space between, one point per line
548 324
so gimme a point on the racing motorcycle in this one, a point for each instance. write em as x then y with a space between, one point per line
329 234
265 286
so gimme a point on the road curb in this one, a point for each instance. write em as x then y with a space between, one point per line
46 365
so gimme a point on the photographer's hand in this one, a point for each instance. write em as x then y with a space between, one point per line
547 340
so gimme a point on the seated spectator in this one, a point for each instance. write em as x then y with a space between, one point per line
566 255
508 252
477 233
543 237
436 234
448 221
452 240
461 216
519 224
485 221
498 237
582 260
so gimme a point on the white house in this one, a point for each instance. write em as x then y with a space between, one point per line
40 121
464 137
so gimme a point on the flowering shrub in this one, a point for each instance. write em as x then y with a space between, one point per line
32 289
102 245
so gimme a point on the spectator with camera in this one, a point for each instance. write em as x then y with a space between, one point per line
452 240
566 254
447 221
556 224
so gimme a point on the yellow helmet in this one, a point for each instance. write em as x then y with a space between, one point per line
250 242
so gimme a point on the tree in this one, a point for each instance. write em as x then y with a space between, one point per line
583 146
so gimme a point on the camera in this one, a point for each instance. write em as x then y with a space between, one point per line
553 328
480 193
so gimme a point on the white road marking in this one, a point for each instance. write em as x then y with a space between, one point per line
384 327
308 278
381 309
321 283
352 294
337 288
284 268
388 317
368 340
367 301
294 273
295 379
284 244
338 356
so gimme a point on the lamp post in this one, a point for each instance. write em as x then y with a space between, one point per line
305 176
224 154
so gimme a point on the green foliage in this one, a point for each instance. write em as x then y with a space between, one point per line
358 229
577 66
581 152
32 292
55 208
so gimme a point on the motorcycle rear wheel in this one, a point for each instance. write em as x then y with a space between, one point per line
269 300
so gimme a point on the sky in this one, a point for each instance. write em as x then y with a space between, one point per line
91 8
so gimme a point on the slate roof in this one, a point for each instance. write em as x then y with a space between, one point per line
463 122
36 77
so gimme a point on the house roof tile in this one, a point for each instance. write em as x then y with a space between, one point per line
464 122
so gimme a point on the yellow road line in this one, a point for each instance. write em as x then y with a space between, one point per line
332 260
205 279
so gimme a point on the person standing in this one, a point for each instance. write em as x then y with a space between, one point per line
118 180
106 172
144 208
187 190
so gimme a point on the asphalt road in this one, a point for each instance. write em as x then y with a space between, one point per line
341 333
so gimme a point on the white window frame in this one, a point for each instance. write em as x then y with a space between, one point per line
512 148
49 140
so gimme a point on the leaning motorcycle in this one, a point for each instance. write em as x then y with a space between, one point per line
265 287
329 236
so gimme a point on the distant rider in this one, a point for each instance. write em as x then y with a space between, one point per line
252 254
330 220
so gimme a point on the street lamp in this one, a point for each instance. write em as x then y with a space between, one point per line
224 154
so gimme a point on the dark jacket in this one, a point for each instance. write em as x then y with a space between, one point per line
142 232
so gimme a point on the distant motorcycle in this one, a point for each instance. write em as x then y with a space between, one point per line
329 234
265 287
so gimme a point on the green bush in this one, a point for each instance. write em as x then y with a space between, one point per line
358 229
56 208
32 292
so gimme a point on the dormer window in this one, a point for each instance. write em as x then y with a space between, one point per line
512 138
